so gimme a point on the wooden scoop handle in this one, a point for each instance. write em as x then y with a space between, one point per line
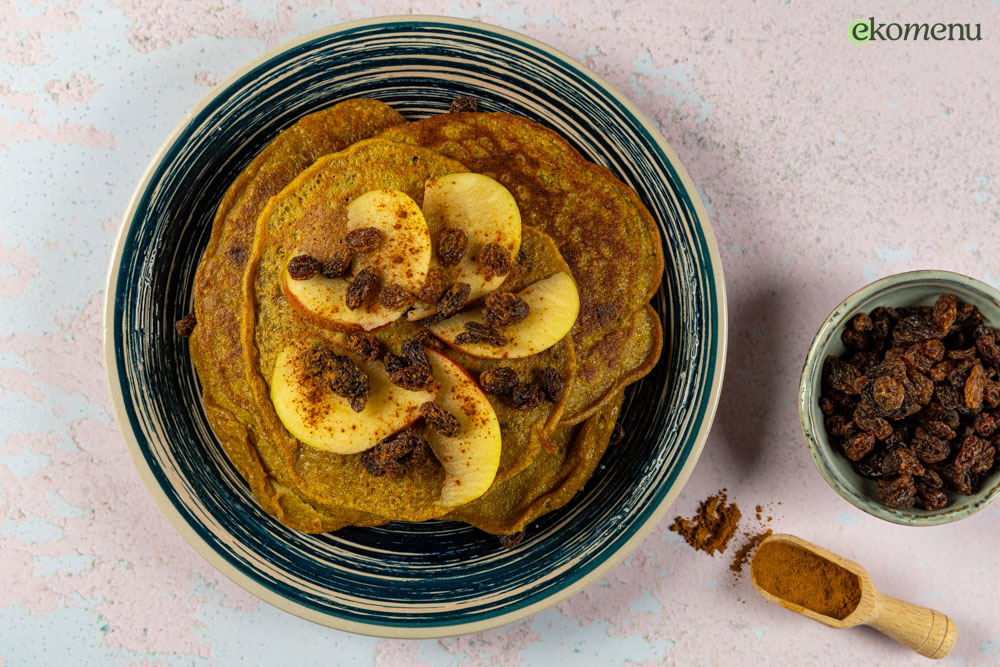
930 633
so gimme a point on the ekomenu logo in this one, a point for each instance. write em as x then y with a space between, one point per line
867 31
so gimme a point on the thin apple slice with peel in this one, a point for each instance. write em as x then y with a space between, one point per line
402 259
553 304
321 419
487 213
471 458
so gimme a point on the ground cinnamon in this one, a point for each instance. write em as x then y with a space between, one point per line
712 528
803 578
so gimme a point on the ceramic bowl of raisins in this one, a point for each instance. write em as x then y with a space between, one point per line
900 398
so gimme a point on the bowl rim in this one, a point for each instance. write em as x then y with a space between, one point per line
822 452
714 379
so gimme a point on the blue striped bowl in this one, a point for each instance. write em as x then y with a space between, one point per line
436 578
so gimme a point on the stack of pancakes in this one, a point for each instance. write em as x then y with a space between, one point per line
575 215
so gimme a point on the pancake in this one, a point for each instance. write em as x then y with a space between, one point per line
604 232
622 356
215 343
550 482
311 208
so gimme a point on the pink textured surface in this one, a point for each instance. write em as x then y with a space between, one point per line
824 165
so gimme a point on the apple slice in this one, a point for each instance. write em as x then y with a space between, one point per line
486 212
402 259
553 304
321 419
470 459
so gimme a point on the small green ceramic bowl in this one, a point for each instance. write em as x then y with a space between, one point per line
916 288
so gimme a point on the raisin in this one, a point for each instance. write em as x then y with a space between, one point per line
991 394
872 423
427 339
302 267
185 325
867 470
363 240
499 380
527 396
370 463
826 406
365 346
394 363
451 246
985 424
434 286
988 349
900 462
413 351
358 403
339 374
919 388
361 288
976 454
412 378
511 541
464 105
477 332
338 264
394 297
864 360
395 454
930 479
975 386
913 329
840 376
961 355
923 356
453 299
898 493
495 260
502 309
859 446
939 429
856 340
957 478
931 499
440 420
553 384
929 448
836 425
945 313
947 396
888 393
861 322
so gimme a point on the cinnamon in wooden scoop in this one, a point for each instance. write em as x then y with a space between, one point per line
806 579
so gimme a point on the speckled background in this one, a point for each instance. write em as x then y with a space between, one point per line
823 164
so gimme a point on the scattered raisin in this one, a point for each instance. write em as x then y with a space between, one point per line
495 260
453 299
365 346
527 396
477 332
511 541
898 493
302 267
412 378
427 339
363 240
553 384
394 297
440 420
502 309
339 374
185 325
393 455
370 463
434 286
464 105
338 264
413 351
361 288
499 380
451 246
393 363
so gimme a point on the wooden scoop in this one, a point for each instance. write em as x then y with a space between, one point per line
930 633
